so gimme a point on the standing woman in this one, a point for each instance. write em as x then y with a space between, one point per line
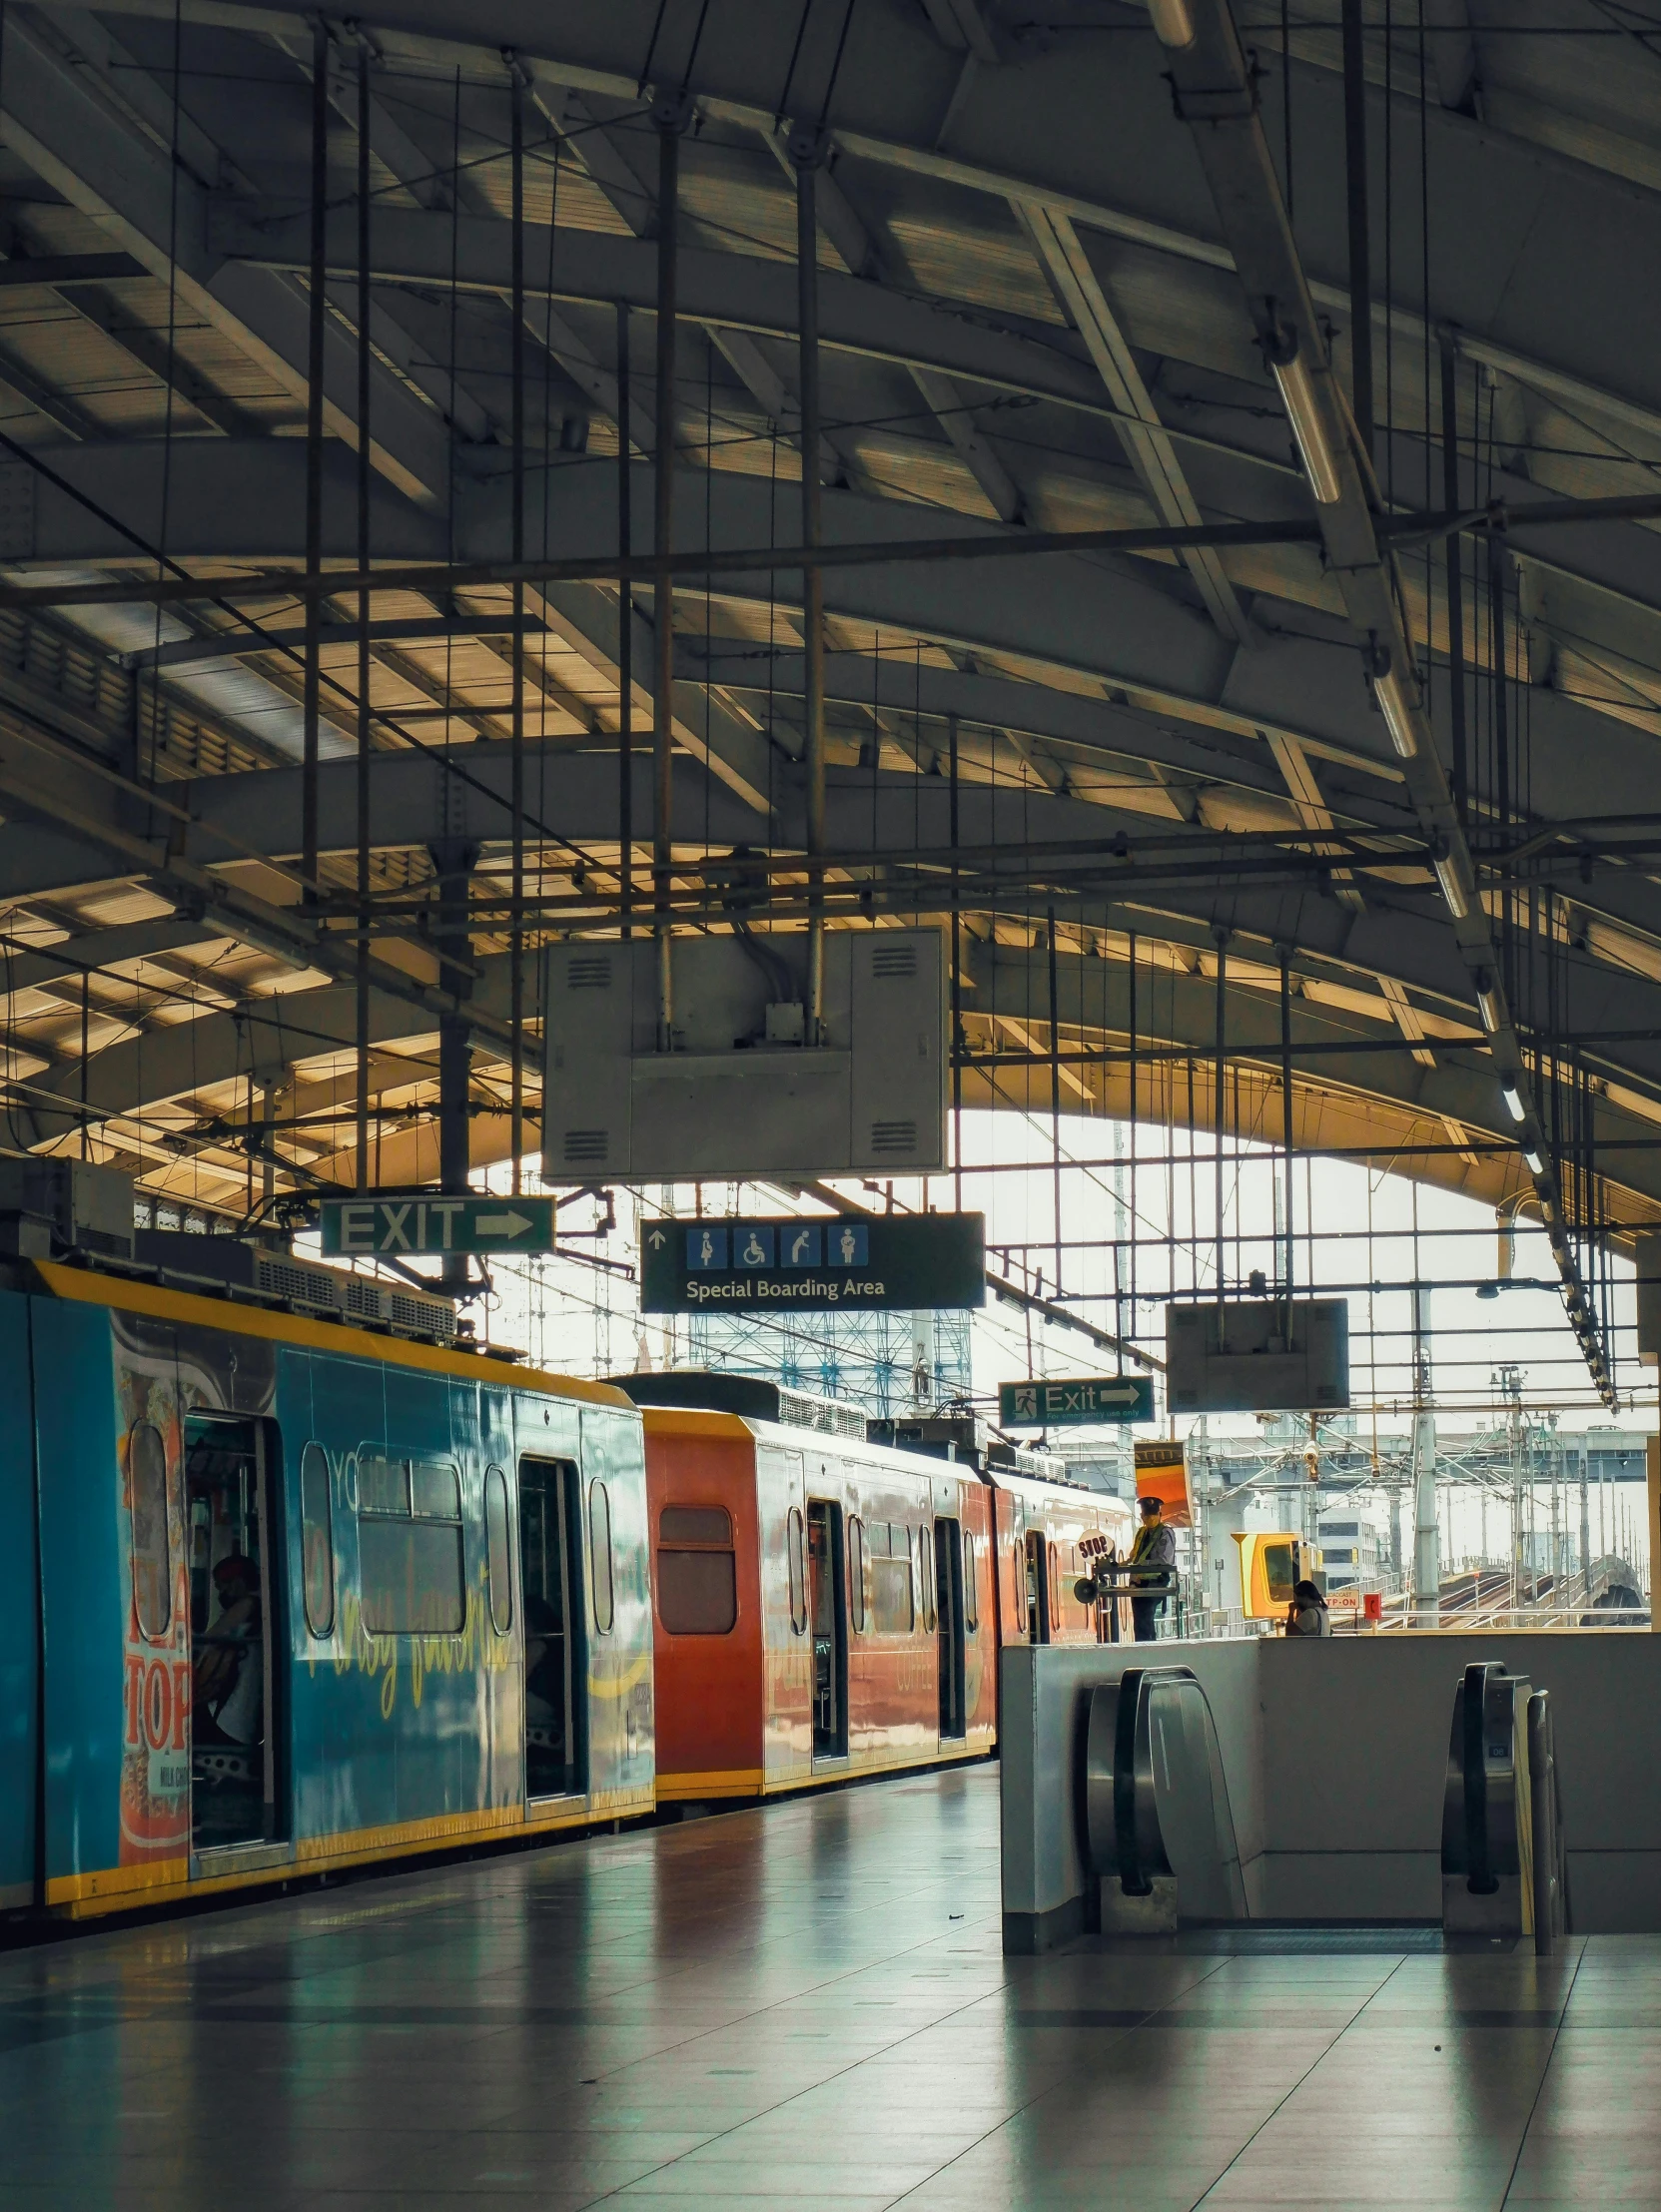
1307 1615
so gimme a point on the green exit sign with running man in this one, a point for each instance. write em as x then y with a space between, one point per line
1082 1403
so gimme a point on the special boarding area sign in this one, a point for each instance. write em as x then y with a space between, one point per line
856 1263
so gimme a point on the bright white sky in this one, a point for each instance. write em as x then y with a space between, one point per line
581 1319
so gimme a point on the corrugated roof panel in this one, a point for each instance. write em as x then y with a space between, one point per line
989 268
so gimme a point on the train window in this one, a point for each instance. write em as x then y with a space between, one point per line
383 1484
798 1570
498 1549
152 1549
695 1524
971 1608
435 1495
925 1575
859 1564
409 1547
697 1575
1282 1572
599 1553
317 1540
893 1602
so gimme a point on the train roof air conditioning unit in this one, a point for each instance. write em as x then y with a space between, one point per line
1240 1357
741 1091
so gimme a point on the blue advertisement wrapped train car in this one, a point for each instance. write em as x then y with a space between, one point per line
308 1597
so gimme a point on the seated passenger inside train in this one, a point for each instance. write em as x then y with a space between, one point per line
545 1699
228 1665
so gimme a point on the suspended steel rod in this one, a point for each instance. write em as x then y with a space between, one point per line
317 304
625 632
669 116
1286 1116
516 1011
1356 177
1219 1067
364 716
957 968
1455 580
806 151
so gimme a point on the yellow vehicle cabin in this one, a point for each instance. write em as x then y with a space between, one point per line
1271 1562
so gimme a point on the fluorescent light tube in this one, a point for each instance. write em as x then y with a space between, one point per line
1454 889
1172 23
1533 1163
1398 714
1514 1104
1488 1001
1298 396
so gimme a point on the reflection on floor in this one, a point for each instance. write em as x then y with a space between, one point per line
805 2007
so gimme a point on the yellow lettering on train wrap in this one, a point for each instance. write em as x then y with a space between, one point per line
363 1651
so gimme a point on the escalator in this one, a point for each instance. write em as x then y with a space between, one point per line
1159 1826
1505 1870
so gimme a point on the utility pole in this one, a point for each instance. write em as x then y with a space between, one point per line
1428 1560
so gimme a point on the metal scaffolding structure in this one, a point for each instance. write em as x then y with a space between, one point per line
679 467
884 1364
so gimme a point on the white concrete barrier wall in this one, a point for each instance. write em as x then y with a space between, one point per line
1045 1708
1336 1754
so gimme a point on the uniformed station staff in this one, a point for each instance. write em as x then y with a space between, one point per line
1153 1565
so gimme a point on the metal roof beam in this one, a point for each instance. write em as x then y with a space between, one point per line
1215 93
75 128
1077 286
179 1058
726 290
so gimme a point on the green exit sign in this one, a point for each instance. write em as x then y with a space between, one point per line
426 1225
1084 1402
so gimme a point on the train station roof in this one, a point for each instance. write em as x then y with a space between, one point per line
1083 268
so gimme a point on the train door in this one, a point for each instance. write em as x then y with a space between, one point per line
548 1522
828 1600
948 1583
1038 1588
227 1475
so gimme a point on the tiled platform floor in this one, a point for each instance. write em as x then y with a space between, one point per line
803 2007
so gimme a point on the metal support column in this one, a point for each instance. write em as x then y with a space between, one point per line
1427 1559
453 858
267 1158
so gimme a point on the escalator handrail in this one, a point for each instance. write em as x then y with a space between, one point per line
1136 1688
1479 1873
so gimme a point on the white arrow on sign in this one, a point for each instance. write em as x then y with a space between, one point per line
657 1240
502 1224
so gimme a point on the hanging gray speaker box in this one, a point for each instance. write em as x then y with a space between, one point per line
741 1094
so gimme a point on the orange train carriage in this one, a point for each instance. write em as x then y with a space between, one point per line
825 1607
